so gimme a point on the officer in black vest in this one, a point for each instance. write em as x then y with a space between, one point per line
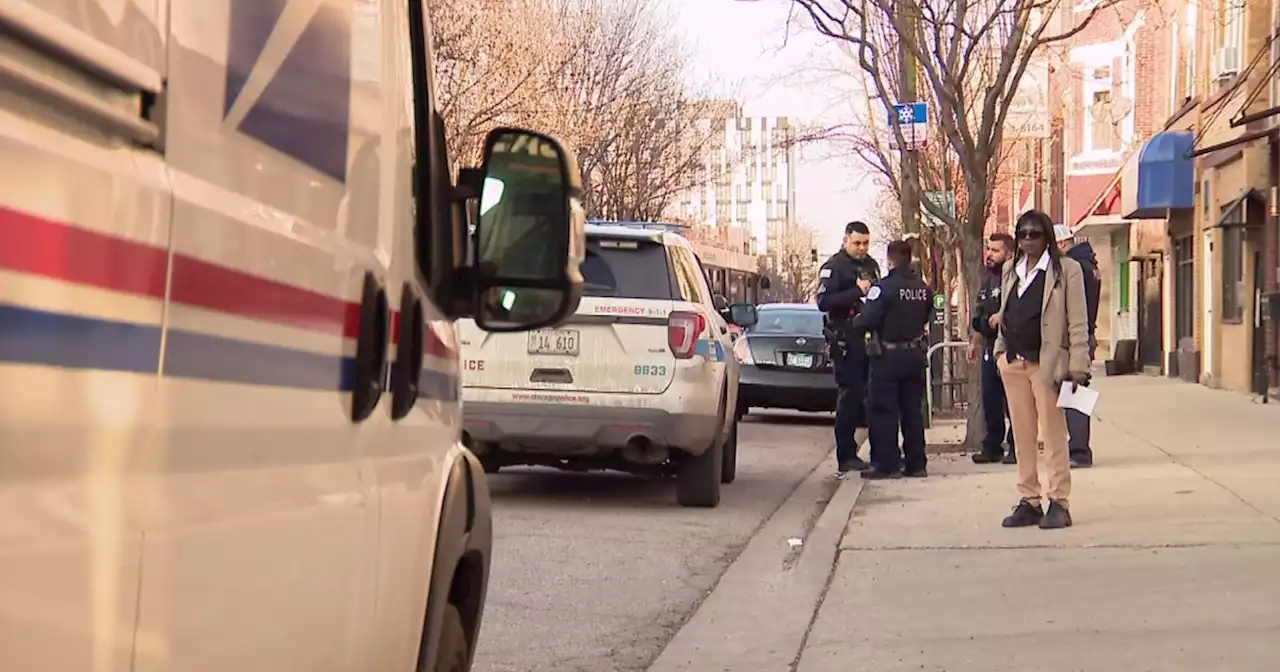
840 297
995 407
896 315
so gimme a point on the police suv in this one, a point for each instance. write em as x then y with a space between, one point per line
231 258
638 379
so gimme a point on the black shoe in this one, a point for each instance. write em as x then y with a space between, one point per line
985 457
1025 514
855 464
1010 458
1081 462
874 474
1056 518
922 472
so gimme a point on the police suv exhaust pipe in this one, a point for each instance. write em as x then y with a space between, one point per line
640 450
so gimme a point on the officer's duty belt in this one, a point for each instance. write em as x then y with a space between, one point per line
917 344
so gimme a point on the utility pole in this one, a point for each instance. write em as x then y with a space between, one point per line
907 94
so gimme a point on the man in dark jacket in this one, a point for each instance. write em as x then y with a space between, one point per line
1082 252
982 338
840 297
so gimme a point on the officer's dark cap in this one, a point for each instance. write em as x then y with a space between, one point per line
856 227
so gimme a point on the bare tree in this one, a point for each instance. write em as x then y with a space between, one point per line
495 62
606 76
886 218
971 57
642 138
792 269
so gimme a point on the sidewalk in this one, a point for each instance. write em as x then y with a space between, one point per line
1173 563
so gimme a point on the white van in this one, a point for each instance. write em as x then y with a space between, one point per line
229 383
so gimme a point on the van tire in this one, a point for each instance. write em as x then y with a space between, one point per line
453 643
729 455
698 483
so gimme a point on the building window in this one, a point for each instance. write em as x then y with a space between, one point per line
1233 272
1106 107
1175 67
1231 19
1275 58
1184 289
1189 63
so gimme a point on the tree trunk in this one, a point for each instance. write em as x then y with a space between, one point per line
971 256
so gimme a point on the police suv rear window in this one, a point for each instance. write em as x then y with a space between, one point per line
626 269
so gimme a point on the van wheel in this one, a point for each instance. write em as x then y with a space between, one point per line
698 483
729 460
453 643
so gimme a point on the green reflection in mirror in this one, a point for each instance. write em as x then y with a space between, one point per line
523 210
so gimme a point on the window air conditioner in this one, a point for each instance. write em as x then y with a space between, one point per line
1226 62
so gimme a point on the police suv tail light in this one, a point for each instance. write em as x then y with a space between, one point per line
742 352
683 330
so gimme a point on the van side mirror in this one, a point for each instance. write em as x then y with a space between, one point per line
743 314
530 233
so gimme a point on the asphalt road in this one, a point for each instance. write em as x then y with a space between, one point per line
595 572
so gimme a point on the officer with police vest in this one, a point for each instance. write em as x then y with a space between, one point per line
896 314
982 340
840 297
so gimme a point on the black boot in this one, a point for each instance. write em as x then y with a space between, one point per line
855 464
987 457
1056 518
1025 514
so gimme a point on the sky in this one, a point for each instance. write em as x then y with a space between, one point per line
745 48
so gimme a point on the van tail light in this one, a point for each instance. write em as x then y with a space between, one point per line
683 330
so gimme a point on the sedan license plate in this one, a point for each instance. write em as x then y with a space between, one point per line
554 342
800 360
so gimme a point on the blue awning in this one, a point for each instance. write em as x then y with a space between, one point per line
1166 176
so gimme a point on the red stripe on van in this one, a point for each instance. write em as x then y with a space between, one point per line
30 244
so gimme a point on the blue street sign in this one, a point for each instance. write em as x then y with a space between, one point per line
910 113
913 121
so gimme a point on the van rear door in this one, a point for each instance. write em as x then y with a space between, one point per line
615 342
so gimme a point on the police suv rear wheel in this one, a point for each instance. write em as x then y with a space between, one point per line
729 460
453 643
698 483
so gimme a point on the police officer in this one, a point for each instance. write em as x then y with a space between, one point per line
840 297
895 316
982 339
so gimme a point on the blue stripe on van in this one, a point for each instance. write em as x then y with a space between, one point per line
55 339
74 342
711 350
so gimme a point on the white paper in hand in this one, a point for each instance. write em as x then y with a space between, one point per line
1082 399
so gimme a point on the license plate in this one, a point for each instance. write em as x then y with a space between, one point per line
801 360
554 342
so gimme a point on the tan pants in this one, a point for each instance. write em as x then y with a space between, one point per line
1033 406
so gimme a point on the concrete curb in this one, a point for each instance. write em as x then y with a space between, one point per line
758 615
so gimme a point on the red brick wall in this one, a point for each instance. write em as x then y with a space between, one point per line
1152 103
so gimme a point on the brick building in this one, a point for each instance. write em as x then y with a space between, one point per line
1169 164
